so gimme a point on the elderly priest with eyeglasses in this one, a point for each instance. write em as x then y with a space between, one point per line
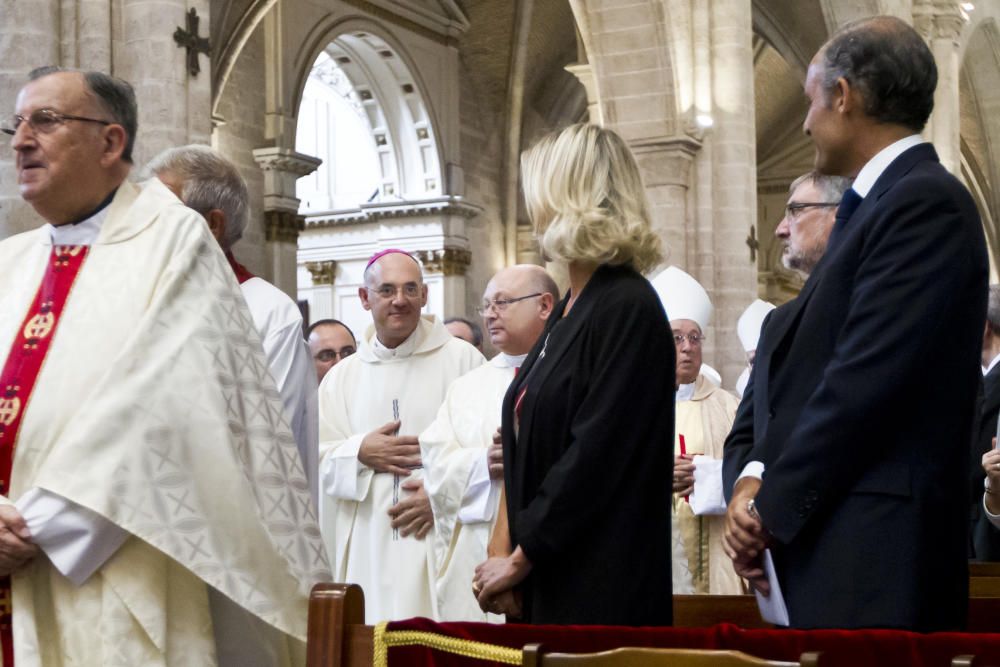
152 496
463 459
374 509
705 413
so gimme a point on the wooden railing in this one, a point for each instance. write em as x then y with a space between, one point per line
338 636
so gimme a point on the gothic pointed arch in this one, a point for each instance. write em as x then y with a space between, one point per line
388 91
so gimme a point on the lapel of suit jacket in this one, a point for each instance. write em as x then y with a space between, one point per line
570 328
780 327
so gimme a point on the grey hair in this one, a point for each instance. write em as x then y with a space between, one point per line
831 187
114 95
210 181
993 308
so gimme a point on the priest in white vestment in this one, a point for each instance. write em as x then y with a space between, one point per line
373 507
704 416
211 185
464 487
153 497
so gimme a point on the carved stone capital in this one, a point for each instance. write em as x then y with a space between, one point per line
449 261
283 226
938 19
666 161
323 273
275 158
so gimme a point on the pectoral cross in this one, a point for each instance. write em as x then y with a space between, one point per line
753 243
194 44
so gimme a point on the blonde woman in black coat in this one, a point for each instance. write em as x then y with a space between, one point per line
588 422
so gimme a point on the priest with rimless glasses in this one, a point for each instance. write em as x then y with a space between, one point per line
374 509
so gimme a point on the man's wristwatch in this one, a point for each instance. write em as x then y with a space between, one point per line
752 510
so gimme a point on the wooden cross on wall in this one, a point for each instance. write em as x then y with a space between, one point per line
190 40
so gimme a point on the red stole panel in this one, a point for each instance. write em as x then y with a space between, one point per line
242 273
17 380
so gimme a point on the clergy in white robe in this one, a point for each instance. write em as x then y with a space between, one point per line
704 414
463 486
372 407
142 441
211 185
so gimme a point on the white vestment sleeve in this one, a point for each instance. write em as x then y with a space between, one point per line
76 540
293 371
481 494
342 475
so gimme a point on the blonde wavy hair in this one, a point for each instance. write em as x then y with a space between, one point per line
586 200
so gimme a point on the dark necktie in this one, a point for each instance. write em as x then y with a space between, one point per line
848 204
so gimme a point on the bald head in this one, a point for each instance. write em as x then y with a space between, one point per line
516 304
395 293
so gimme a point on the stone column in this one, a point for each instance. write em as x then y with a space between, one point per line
666 172
282 222
451 264
86 38
323 275
29 37
940 23
174 107
733 279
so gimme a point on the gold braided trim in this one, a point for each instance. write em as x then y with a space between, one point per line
384 639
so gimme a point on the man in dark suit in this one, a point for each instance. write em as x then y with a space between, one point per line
849 454
985 542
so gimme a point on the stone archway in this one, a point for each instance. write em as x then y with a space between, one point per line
979 90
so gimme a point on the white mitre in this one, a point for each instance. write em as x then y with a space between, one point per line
683 297
748 326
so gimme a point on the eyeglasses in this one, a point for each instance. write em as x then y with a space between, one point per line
692 338
500 305
330 355
794 210
410 291
43 121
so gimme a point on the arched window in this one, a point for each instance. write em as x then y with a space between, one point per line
362 114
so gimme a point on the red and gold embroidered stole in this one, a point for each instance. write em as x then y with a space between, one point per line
17 380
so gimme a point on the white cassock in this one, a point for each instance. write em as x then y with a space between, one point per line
279 324
355 398
153 465
456 472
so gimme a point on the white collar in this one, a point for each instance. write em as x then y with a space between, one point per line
873 168
84 232
504 360
987 369
685 392
401 351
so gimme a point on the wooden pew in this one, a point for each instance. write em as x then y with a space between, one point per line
338 636
984 597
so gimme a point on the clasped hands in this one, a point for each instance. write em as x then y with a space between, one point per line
745 537
494 582
384 451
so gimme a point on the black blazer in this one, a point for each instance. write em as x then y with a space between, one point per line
985 536
588 477
861 406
